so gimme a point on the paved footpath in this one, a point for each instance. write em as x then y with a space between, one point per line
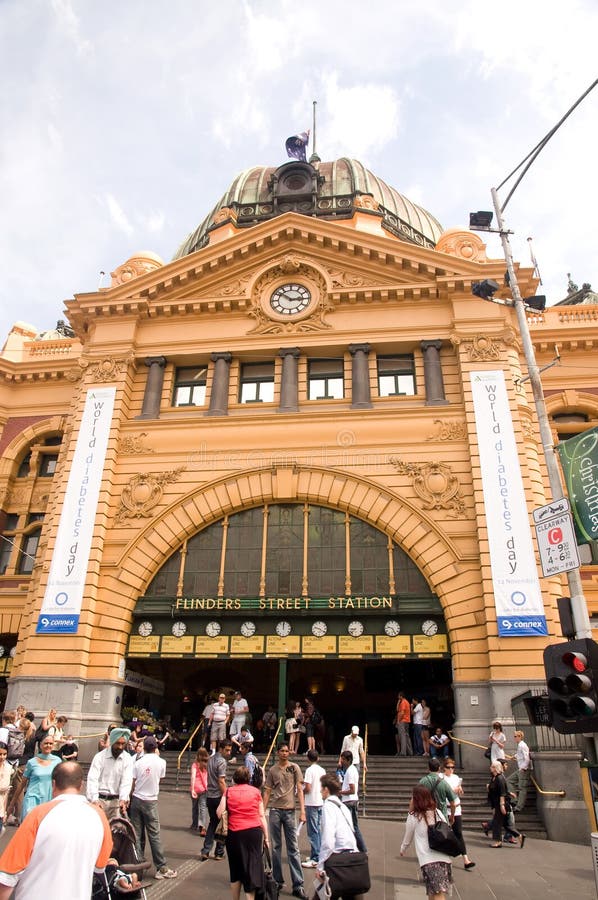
543 870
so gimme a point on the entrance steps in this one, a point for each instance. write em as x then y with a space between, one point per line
389 782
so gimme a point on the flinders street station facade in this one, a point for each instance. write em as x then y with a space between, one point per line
268 464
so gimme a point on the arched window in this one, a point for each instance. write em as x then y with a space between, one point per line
289 550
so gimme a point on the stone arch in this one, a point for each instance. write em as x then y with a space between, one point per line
572 401
25 438
417 533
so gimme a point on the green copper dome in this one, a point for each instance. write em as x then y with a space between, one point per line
328 190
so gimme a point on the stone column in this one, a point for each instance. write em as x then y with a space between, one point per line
219 392
360 377
289 384
153 387
433 379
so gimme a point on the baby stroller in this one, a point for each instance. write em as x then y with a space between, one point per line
105 886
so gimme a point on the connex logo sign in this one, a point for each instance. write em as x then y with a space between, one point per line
49 624
518 626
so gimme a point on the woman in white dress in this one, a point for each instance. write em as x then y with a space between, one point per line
496 741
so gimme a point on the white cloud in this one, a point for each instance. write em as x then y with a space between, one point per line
117 214
70 24
359 118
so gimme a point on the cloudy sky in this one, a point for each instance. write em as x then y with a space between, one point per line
124 122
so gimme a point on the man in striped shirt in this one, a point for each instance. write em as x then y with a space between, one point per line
61 842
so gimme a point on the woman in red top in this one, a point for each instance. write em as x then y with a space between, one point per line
199 792
247 831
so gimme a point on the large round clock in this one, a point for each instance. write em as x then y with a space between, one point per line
145 629
248 629
283 629
429 627
290 299
179 628
355 628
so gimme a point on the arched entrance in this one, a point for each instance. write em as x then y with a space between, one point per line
289 600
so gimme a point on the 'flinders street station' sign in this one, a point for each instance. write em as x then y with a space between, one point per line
279 604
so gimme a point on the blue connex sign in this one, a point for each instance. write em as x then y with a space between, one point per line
520 626
56 624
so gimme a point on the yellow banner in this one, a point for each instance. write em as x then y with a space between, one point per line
436 644
391 645
143 646
282 646
318 646
178 645
355 646
242 646
208 646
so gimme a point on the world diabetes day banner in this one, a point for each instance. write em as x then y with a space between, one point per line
517 593
579 460
61 606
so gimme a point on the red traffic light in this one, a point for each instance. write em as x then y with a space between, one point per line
577 661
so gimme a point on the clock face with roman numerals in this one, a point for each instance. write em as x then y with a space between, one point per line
290 299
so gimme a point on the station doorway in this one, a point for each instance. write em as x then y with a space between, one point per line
346 691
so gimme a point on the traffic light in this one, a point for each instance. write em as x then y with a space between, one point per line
572 679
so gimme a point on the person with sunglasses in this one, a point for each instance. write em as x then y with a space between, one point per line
456 782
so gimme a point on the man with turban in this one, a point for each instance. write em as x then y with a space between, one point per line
110 775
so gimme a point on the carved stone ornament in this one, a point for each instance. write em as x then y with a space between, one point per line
295 269
528 429
463 244
143 493
133 444
366 201
479 348
223 214
135 266
109 369
39 497
17 499
449 430
234 289
435 485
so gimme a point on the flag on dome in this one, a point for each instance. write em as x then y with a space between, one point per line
296 146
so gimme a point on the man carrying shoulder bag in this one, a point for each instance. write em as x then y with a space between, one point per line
345 867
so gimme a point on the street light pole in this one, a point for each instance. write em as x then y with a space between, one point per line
581 619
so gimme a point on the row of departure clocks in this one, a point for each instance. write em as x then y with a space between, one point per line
283 629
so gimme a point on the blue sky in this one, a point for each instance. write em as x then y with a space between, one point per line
123 123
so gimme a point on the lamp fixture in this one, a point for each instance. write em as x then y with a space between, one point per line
480 219
484 289
538 302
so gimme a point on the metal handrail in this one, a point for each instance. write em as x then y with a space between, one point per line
544 793
187 747
273 744
365 754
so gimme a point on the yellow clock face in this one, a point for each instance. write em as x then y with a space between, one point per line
290 299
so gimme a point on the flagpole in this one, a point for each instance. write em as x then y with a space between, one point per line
314 154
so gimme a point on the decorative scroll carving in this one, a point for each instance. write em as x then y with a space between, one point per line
346 279
134 267
528 429
435 485
39 497
480 348
463 244
235 288
448 430
366 201
143 493
110 368
223 214
133 444
17 499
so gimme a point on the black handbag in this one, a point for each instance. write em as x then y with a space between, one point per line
348 873
488 753
443 839
270 888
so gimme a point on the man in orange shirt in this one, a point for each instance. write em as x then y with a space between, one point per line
61 842
403 720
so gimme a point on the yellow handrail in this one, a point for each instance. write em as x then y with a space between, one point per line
561 793
187 745
273 744
365 756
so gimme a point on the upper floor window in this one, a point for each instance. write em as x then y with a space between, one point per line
325 379
7 542
47 465
396 376
23 470
190 386
257 383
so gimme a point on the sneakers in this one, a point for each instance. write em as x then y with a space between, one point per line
309 864
165 872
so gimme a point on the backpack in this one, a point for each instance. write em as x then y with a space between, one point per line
16 744
257 779
316 717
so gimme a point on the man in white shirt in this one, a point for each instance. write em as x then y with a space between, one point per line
518 781
350 794
148 771
218 721
59 843
417 720
313 807
240 710
337 828
111 774
354 743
